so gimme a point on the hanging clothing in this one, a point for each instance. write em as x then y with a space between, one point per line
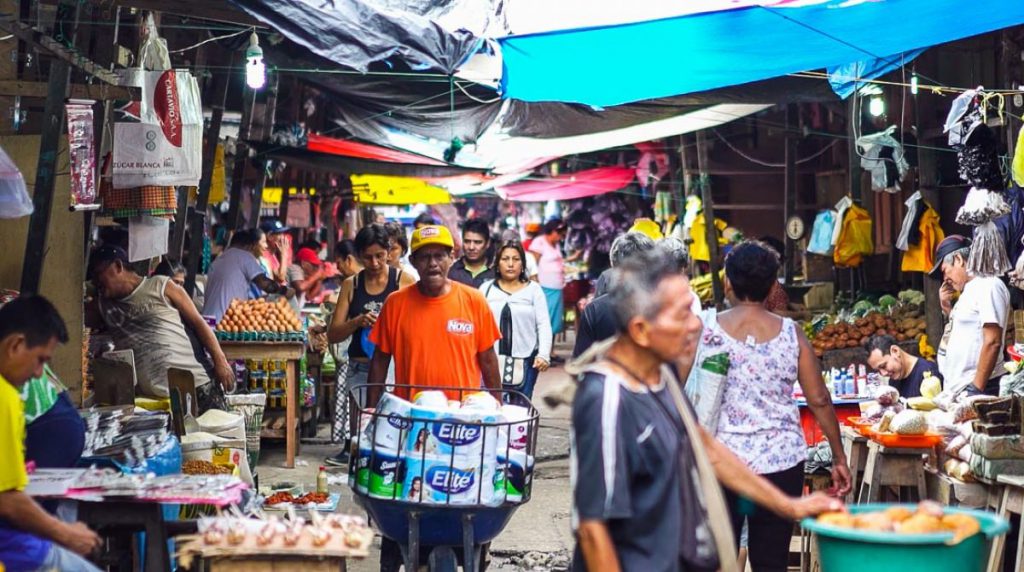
1011 225
883 156
913 207
821 233
843 204
699 250
855 239
920 257
1017 167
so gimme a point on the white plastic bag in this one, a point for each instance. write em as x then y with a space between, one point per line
14 199
705 386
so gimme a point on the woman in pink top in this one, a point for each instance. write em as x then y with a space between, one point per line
546 248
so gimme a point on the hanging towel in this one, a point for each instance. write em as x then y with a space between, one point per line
821 233
699 250
913 205
1018 160
920 257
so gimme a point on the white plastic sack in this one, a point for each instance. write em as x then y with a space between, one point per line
14 199
165 147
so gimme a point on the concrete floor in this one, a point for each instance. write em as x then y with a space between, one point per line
537 538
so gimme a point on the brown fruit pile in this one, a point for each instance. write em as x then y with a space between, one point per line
846 335
259 316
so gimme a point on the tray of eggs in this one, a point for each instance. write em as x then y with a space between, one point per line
260 321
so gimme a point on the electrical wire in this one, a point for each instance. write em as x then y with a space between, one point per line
467 94
214 39
757 161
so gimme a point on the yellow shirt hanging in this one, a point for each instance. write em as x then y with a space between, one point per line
699 247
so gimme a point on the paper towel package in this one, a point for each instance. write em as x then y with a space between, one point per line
481 401
437 480
515 436
431 398
392 427
377 473
513 476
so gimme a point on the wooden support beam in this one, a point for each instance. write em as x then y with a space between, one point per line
197 219
38 39
790 187
46 170
99 92
711 232
270 112
234 216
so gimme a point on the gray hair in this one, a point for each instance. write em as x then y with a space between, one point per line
634 285
629 245
963 253
677 250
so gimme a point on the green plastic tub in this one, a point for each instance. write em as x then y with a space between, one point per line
848 550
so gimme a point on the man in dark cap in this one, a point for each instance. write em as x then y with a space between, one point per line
278 256
969 354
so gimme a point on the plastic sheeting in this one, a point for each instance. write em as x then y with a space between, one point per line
612 65
570 186
846 79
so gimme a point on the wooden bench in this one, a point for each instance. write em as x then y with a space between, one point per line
892 467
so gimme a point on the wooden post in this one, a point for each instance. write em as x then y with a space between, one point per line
269 114
177 246
711 232
792 120
46 171
234 215
197 220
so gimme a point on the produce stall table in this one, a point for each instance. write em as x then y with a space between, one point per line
890 466
1011 502
291 352
844 408
855 446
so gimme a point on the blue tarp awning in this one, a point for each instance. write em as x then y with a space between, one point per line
612 65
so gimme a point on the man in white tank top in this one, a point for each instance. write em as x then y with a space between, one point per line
148 316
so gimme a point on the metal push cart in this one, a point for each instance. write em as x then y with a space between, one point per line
455 503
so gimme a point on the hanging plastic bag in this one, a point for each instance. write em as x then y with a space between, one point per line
706 387
14 199
855 238
981 206
988 252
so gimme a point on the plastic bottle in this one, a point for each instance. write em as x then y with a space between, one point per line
321 481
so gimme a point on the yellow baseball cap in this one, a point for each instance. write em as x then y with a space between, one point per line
431 234
648 227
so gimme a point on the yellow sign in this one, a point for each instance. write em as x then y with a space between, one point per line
384 190
272 195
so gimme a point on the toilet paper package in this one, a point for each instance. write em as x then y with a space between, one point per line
481 401
378 473
462 433
431 398
392 425
516 435
439 480
513 476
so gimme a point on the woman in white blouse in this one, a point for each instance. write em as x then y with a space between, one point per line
521 311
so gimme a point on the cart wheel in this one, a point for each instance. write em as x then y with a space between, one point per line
442 559
390 555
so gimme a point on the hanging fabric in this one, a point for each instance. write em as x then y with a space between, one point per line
920 256
855 240
843 204
821 233
883 156
909 221
1017 167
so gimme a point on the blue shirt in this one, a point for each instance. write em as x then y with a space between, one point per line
229 279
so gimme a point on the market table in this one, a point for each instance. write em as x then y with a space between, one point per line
291 352
1011 502
855 446
891 466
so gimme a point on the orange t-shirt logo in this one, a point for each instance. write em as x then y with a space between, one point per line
460 327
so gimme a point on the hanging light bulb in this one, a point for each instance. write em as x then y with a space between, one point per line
876 107
255 69
913 84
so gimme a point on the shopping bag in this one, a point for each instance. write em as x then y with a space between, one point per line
705 386
14 199
165 147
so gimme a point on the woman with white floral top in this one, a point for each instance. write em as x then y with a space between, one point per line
759 420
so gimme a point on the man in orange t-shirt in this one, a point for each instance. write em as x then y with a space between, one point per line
440 333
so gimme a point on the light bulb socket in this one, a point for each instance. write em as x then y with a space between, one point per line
254 50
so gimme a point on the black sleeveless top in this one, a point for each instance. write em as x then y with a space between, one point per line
363 302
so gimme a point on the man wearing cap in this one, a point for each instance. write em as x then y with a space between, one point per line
306 276
969 359
441 333
278 256
148 316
